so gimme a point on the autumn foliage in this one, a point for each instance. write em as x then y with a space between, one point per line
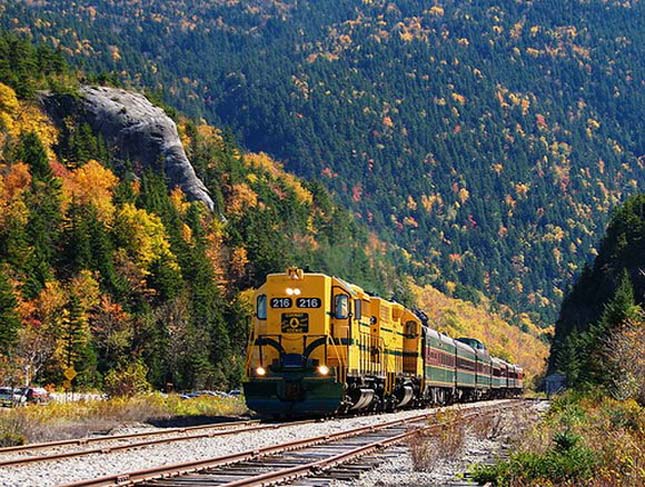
111 274
523 345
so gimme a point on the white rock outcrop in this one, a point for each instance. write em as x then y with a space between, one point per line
135 130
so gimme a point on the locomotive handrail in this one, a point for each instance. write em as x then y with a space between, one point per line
259 342
249 345
366 348
381 350
341 367
307 341
317 337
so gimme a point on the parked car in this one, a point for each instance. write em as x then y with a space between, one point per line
193 394
35 394
6 396
10 397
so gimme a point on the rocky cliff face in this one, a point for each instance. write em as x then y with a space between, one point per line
135 130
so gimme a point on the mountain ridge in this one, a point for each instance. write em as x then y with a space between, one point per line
487 140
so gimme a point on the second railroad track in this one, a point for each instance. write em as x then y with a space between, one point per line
25 454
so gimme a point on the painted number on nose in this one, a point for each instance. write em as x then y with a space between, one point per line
308 302
281 303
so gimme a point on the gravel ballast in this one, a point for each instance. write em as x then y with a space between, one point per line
65 471
396 467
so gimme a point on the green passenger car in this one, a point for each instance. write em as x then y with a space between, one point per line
440 360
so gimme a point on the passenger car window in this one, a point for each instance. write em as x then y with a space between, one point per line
261 307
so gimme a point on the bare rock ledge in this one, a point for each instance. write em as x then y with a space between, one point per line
135 130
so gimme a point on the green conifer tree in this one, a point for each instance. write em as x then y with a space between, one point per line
568 359
617 311
43 203
165 279
9 318
622 305
76 342
31 151
76 253
14 245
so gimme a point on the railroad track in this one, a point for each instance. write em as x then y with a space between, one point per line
285 462
124 442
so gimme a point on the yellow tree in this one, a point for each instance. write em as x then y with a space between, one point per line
91 184
37 339
144 236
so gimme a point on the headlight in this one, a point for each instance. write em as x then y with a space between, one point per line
260 371
323 370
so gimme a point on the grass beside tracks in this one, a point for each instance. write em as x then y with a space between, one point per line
56 420
584 439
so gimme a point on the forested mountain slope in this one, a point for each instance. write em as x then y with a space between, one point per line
105 270
488 139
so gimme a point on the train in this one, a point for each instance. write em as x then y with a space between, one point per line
321 346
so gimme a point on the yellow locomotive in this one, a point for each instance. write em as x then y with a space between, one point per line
320 345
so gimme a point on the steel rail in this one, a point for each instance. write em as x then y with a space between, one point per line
128 446
125 436
173 470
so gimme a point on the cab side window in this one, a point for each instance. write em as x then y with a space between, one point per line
411 329
341 307
358 308
261 307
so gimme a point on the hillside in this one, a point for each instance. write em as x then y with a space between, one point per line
592 433
106 269
605 297
488 140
